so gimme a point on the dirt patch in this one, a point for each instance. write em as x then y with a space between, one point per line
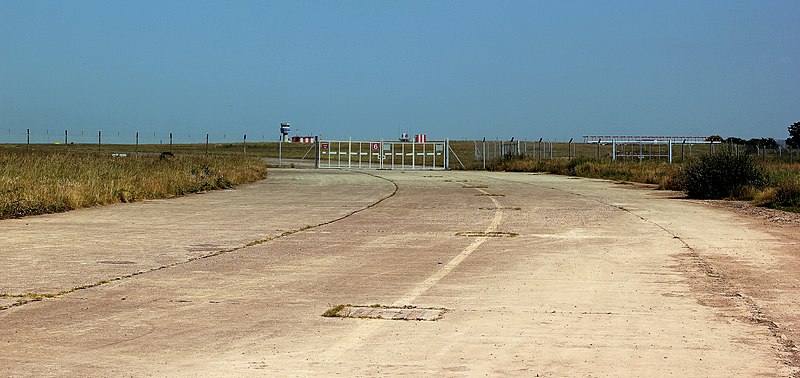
771 216
766 295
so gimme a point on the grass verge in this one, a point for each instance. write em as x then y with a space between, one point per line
39 182
780 189
666 176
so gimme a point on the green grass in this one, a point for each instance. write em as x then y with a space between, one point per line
42 180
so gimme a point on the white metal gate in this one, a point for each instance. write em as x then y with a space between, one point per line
383 155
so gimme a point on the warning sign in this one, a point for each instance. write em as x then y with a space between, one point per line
376 146
324 145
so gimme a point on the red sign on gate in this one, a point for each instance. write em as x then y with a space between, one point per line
376 146
324 145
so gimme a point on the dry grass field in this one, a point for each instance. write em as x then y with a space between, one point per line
199 167
45 181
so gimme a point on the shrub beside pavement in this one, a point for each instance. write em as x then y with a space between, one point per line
719 175
722 174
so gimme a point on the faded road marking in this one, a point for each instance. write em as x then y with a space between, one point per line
365 330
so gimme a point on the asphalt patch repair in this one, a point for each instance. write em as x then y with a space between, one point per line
489 234
385 312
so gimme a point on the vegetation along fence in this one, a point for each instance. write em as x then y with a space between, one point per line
466 154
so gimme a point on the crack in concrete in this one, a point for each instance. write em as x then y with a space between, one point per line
36 297
366 330
757 314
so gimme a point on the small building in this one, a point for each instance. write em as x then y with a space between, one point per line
302 139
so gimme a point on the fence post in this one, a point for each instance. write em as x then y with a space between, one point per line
613 150
28 143
446 155
99 140
170 142
244 145
318 153
206 144
66 137
598 148
541 151
484 153
137 142
683 153
670 151
569 149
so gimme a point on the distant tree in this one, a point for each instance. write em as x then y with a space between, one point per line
735 140
771 143
794 135
714 138
763 142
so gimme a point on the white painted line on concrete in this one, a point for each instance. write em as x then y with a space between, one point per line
366 329
447 268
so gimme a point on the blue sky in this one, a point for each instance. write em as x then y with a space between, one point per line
371 69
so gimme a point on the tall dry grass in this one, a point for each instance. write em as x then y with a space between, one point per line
781 189
666 176
35 182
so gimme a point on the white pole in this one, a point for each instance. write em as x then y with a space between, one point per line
613 150
670 151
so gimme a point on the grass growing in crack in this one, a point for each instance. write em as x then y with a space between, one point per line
34 296
490 234
334 312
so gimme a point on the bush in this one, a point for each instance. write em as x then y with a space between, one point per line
787 194
721 175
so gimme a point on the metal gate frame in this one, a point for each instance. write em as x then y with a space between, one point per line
430 155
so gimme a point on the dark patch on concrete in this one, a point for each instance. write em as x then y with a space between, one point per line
491 234
387 312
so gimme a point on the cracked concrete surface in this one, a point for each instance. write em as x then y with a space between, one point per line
601 280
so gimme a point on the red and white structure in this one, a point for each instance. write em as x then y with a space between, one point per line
420 138
303 139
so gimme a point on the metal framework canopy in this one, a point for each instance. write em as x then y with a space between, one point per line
641 140
648 139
